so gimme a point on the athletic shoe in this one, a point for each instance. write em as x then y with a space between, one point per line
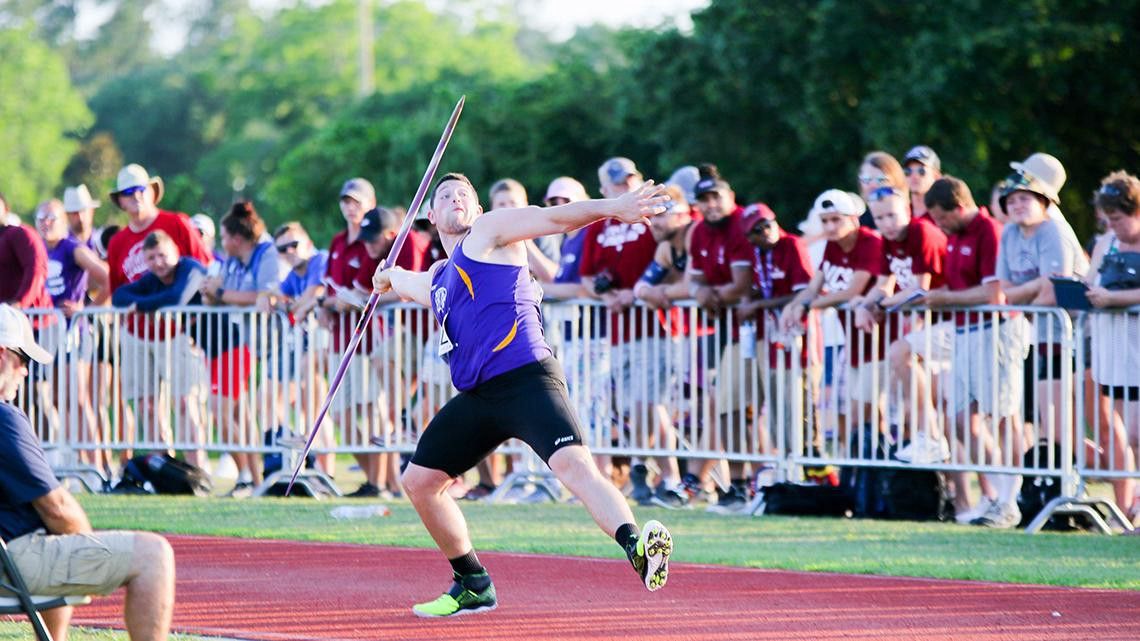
479 492
924 450
1001 516
639 479
458 601
731 502
670 499
242 490
365 491
983 506
650 557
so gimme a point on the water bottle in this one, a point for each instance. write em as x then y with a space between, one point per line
346 512
748 339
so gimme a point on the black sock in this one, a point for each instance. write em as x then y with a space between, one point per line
467 564
627 536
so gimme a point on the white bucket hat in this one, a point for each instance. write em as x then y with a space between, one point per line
78 199
133 175
16 333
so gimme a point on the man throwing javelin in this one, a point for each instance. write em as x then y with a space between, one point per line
510 384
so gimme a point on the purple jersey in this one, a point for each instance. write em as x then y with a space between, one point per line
66 280
489 318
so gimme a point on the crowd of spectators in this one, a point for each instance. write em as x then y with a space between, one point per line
911 237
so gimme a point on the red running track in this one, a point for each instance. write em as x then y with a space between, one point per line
271 590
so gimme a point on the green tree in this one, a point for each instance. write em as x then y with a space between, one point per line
41 117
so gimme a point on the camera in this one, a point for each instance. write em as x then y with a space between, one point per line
603 283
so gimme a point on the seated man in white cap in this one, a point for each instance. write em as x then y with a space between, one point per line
46 530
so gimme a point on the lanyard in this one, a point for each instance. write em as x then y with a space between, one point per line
764 269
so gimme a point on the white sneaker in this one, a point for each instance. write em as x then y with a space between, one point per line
983 506
1002 516
924 450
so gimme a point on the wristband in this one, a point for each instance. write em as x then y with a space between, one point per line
219 292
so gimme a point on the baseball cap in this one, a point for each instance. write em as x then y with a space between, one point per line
837 201
710 183
16 333
686 178
756 212
925 155
566 187
204 224
616 170
359 190
78 198
373 224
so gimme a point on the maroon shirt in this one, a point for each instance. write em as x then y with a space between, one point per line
839 268
971 256
923 251
623 251
24 266
777 272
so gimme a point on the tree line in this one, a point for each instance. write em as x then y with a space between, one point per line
785 96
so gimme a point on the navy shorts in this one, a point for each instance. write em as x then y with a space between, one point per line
529 403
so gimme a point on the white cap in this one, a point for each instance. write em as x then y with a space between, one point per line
204 224
78 199
837 201
16 333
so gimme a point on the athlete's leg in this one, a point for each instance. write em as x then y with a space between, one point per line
427 490
576 469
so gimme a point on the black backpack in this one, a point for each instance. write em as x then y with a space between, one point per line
1038 491
795 499
893 493
166 475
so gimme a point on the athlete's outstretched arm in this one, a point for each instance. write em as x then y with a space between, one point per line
505 226
414 286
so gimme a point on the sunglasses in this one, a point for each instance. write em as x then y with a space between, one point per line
46 218
1110 190
285 248
761 226
878 180
920 170
131 191
882 193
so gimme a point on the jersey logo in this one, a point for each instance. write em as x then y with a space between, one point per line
967 250
903 269
440 299
837 278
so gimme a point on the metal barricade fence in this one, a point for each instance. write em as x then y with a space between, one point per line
651 383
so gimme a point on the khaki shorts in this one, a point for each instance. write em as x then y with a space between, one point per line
361 384
74 564
868 382
941 348
145 364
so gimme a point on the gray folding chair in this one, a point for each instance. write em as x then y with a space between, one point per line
15 598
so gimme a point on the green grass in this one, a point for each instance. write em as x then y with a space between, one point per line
829 545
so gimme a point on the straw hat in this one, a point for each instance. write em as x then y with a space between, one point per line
134 175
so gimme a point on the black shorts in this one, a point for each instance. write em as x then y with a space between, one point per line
529 403
1120 392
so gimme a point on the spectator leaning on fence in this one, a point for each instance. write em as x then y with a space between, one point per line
1033 249
980 356
851 261
614 255
879 169
47 532
720 276
1116 333
250 278
781 269
914 257
171 281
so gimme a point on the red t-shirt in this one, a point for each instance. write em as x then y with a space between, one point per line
971 256
839 269
125 258
781 271
623 251
923 251
24 264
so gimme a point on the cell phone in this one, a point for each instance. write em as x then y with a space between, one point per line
1071 293
915 295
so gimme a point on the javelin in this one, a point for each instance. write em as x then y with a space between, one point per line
370 307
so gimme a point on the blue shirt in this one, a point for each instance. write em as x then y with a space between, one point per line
24 474
149 293
571 257
294 285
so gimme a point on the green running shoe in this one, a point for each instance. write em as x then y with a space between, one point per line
651 556
457 601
